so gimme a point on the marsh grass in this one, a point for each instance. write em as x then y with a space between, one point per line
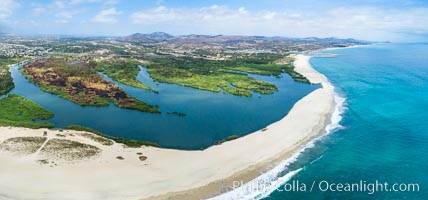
126 142
18 111
62 149
22 145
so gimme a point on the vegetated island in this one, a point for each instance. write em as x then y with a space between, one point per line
6 81
18 111
122 70
228 76
79 82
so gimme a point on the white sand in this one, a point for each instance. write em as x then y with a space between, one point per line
167 172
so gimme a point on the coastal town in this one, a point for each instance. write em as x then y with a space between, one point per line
137 45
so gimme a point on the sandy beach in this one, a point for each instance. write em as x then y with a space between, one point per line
166 173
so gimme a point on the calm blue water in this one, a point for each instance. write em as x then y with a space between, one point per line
385 134
210 116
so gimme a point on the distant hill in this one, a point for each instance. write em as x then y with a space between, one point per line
152 37
232 39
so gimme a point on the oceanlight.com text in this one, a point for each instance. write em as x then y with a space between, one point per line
327 186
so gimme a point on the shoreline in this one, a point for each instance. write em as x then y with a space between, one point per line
211 190
171 173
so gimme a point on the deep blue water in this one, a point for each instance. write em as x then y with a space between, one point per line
210 116
385 134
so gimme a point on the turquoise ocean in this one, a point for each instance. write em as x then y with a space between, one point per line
378 133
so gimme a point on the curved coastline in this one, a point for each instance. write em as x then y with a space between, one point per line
170 173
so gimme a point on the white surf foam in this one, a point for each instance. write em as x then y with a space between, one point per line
262 186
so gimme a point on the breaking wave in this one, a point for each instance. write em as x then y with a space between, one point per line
262 186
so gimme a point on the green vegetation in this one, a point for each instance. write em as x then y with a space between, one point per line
22 145
6 81
78 81
180 114
232 83
97 138
127 142
271 68
230 138
18 111
222 75
123 71
61 149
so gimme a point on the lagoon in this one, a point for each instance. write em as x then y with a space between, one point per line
210 116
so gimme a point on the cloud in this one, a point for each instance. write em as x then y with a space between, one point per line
6 8
106 2
74 2
360 22
65 12
60 11
159 2
106 16
38 10
65 16
59 4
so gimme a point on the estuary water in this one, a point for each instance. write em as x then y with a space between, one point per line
210 116
382 138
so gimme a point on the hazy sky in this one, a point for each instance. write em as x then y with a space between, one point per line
394 20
